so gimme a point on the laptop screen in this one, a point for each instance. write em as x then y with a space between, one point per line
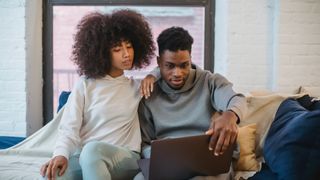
186 157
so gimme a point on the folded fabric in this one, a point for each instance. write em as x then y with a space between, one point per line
292 146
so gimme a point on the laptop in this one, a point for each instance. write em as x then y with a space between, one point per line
184 158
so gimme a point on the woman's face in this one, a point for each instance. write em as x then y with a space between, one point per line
122 55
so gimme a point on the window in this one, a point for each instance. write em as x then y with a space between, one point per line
62 17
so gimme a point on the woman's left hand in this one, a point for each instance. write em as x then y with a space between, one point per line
146 86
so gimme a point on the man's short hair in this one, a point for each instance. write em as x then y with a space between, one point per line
174 39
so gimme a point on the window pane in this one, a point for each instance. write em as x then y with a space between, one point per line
65 19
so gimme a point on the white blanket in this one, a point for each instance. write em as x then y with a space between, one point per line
23 161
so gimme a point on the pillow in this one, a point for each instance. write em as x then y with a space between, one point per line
246 139
292 146
63 98
8 141
261 110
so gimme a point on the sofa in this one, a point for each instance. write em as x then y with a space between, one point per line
23 161
287 141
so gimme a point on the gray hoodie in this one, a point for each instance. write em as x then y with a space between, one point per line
172 113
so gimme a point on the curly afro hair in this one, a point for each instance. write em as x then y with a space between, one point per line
97 33
174 39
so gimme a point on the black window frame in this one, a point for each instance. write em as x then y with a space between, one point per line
209 6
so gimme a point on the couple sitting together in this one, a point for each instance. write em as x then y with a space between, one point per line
107 125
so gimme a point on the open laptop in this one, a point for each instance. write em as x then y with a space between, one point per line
184 158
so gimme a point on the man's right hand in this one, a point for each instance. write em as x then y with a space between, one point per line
50 168
223 131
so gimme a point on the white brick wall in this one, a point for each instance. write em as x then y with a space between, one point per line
20 67
299 44
269 44
12 68
247 42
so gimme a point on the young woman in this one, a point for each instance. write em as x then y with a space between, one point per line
100 119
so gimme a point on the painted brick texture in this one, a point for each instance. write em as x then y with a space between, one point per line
299 44
272 45
12 68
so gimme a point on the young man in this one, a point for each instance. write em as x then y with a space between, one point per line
186 97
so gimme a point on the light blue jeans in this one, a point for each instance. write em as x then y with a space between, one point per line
102 161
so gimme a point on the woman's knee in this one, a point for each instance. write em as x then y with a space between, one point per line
97 151
90 152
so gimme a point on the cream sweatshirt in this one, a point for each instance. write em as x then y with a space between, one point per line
102 110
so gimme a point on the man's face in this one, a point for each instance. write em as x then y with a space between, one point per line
175 67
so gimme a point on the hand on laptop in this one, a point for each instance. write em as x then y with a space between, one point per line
223 131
